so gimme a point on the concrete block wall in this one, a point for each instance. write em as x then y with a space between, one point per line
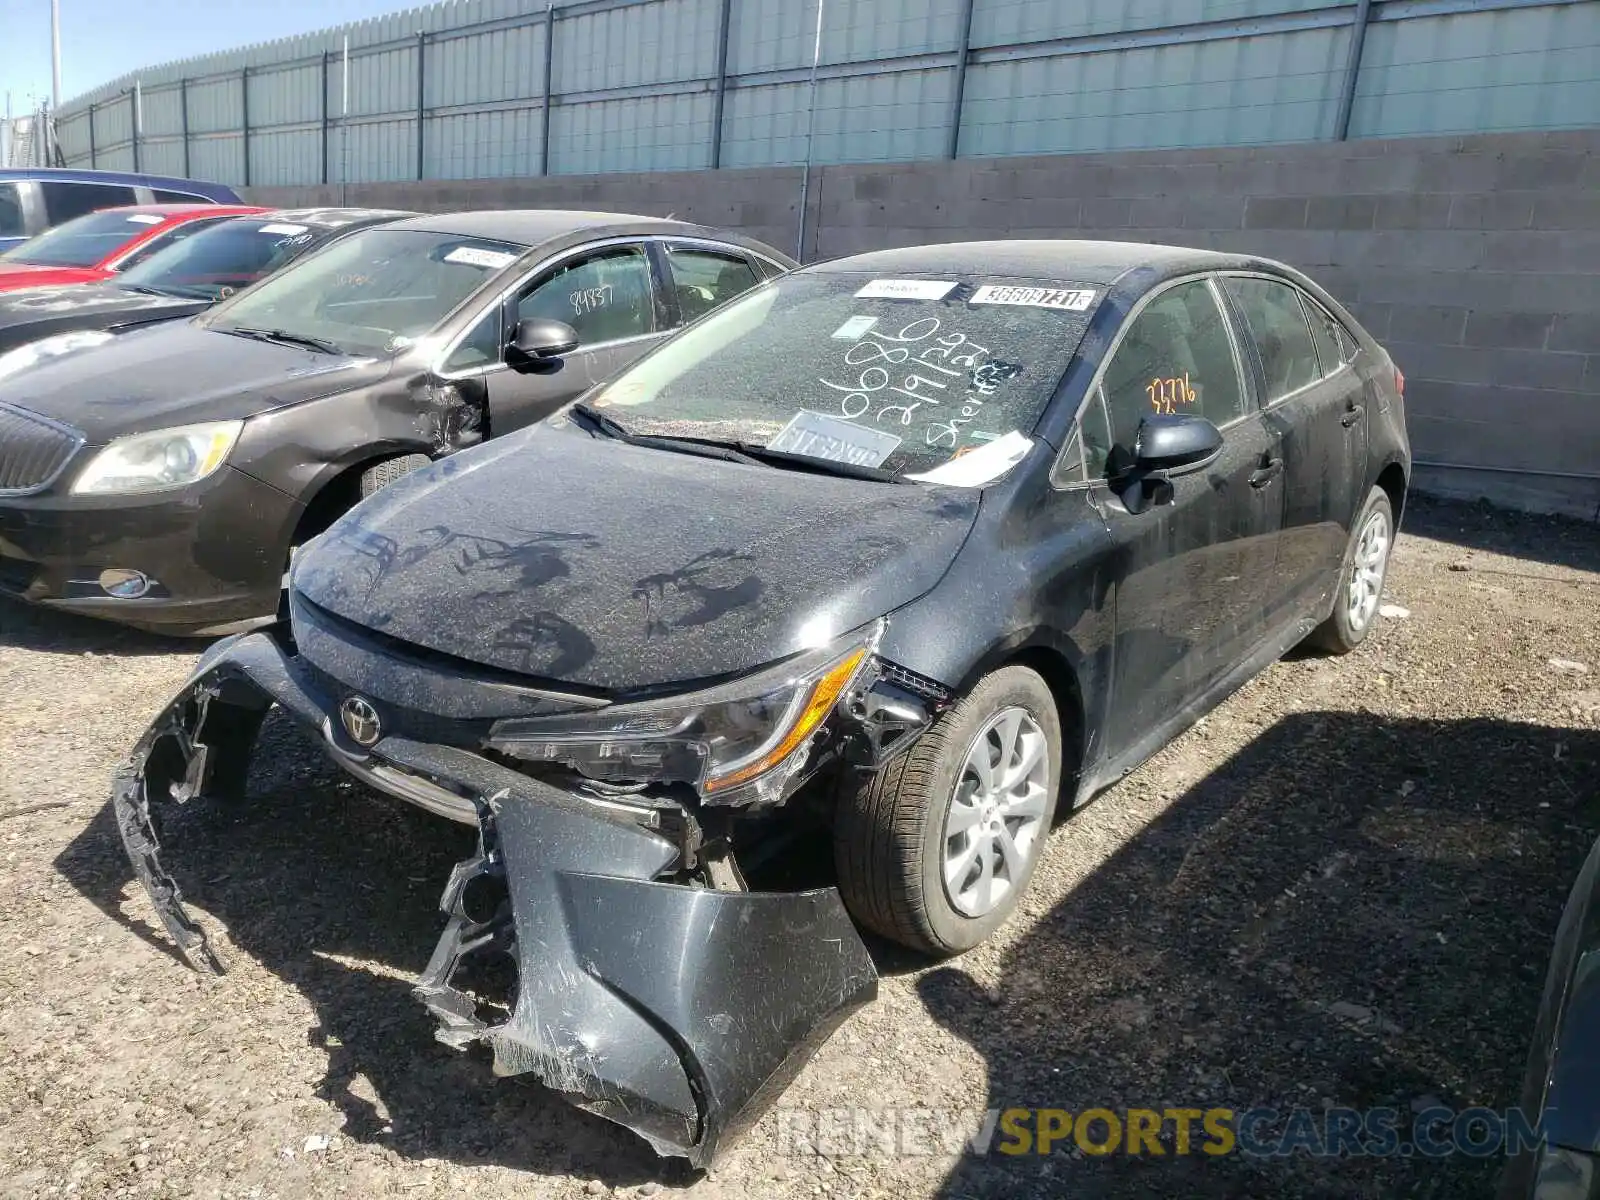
1475 259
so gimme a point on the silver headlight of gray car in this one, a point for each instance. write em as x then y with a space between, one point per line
738 743
163 458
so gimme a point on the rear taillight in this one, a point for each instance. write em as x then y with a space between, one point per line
1399 384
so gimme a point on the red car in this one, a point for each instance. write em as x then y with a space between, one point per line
100 244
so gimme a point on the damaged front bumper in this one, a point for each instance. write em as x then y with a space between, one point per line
679 1011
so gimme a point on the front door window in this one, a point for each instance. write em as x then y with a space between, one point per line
604 296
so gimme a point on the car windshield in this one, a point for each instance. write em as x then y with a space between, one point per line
217 262
372 293
898 374
84 241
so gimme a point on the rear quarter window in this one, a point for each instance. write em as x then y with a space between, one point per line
11 224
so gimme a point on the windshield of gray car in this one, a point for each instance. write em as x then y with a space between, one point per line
217 262
900 374
372 293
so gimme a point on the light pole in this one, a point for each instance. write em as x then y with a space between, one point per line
55 55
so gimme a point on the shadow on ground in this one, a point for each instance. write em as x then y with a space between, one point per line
1557 541
1352 911
29 627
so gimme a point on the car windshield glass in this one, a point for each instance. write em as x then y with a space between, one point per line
901 374
219 261
372 293
82 242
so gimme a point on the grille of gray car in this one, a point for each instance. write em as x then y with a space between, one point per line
33 450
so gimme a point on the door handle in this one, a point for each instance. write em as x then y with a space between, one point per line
1353 414
1266 473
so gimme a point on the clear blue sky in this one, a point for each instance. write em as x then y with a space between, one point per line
101 39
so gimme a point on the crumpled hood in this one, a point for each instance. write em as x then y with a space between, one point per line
38 312
608 566
176 373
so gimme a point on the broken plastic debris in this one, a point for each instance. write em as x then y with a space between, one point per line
1396 611
1569 666
316 1143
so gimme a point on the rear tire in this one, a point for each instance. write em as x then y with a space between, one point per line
381 475
1359 591
911 868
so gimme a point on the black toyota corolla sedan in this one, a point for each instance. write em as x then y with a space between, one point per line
184 279
163 477
910 550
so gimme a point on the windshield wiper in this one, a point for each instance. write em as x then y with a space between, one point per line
824 466
143 290
704 447
284 337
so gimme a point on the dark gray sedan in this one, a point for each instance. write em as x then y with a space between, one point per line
162 477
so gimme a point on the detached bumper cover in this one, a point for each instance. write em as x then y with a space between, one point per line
678 1011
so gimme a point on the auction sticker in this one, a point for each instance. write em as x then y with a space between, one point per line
1070 299
818 435
907 289
286 230
145 218
854 328
473 256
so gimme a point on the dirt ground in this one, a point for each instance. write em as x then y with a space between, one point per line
1340 889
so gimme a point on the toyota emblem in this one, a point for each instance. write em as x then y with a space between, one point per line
360 721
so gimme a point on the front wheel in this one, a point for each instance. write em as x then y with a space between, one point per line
1361 577
935 850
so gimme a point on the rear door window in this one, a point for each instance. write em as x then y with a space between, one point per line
1278 325
703 279
11 223
1175 358
165 197
605 296
64 201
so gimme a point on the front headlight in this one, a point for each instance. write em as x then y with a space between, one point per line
739 743
164 458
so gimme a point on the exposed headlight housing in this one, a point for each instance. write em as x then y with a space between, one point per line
164 458
739 743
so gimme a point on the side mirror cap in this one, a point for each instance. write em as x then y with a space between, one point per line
1171 444
540 338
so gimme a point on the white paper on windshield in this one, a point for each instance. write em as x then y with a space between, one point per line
285 230
982 466
907 289
818 435
473 256
1070 299
854 328
145 218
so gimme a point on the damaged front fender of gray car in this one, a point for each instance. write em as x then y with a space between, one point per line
654 987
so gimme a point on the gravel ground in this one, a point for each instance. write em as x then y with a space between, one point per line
1338 889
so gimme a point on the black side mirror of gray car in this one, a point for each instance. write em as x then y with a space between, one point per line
537 337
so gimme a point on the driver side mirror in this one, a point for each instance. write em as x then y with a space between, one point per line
1174 445
539 338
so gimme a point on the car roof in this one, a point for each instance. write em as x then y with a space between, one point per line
327 218
126 178
1065 259
199 207
531 226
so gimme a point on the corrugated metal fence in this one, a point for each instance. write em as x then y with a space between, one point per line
475 89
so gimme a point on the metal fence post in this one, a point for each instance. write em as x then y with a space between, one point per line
134 107
92 157
422 58
722 83
1352 70
244 118
959 86
324 118
544 111
183 120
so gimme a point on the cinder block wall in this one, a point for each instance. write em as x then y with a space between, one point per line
1476 260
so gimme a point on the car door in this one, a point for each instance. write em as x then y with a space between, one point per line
1316 412
1193 573
609 295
